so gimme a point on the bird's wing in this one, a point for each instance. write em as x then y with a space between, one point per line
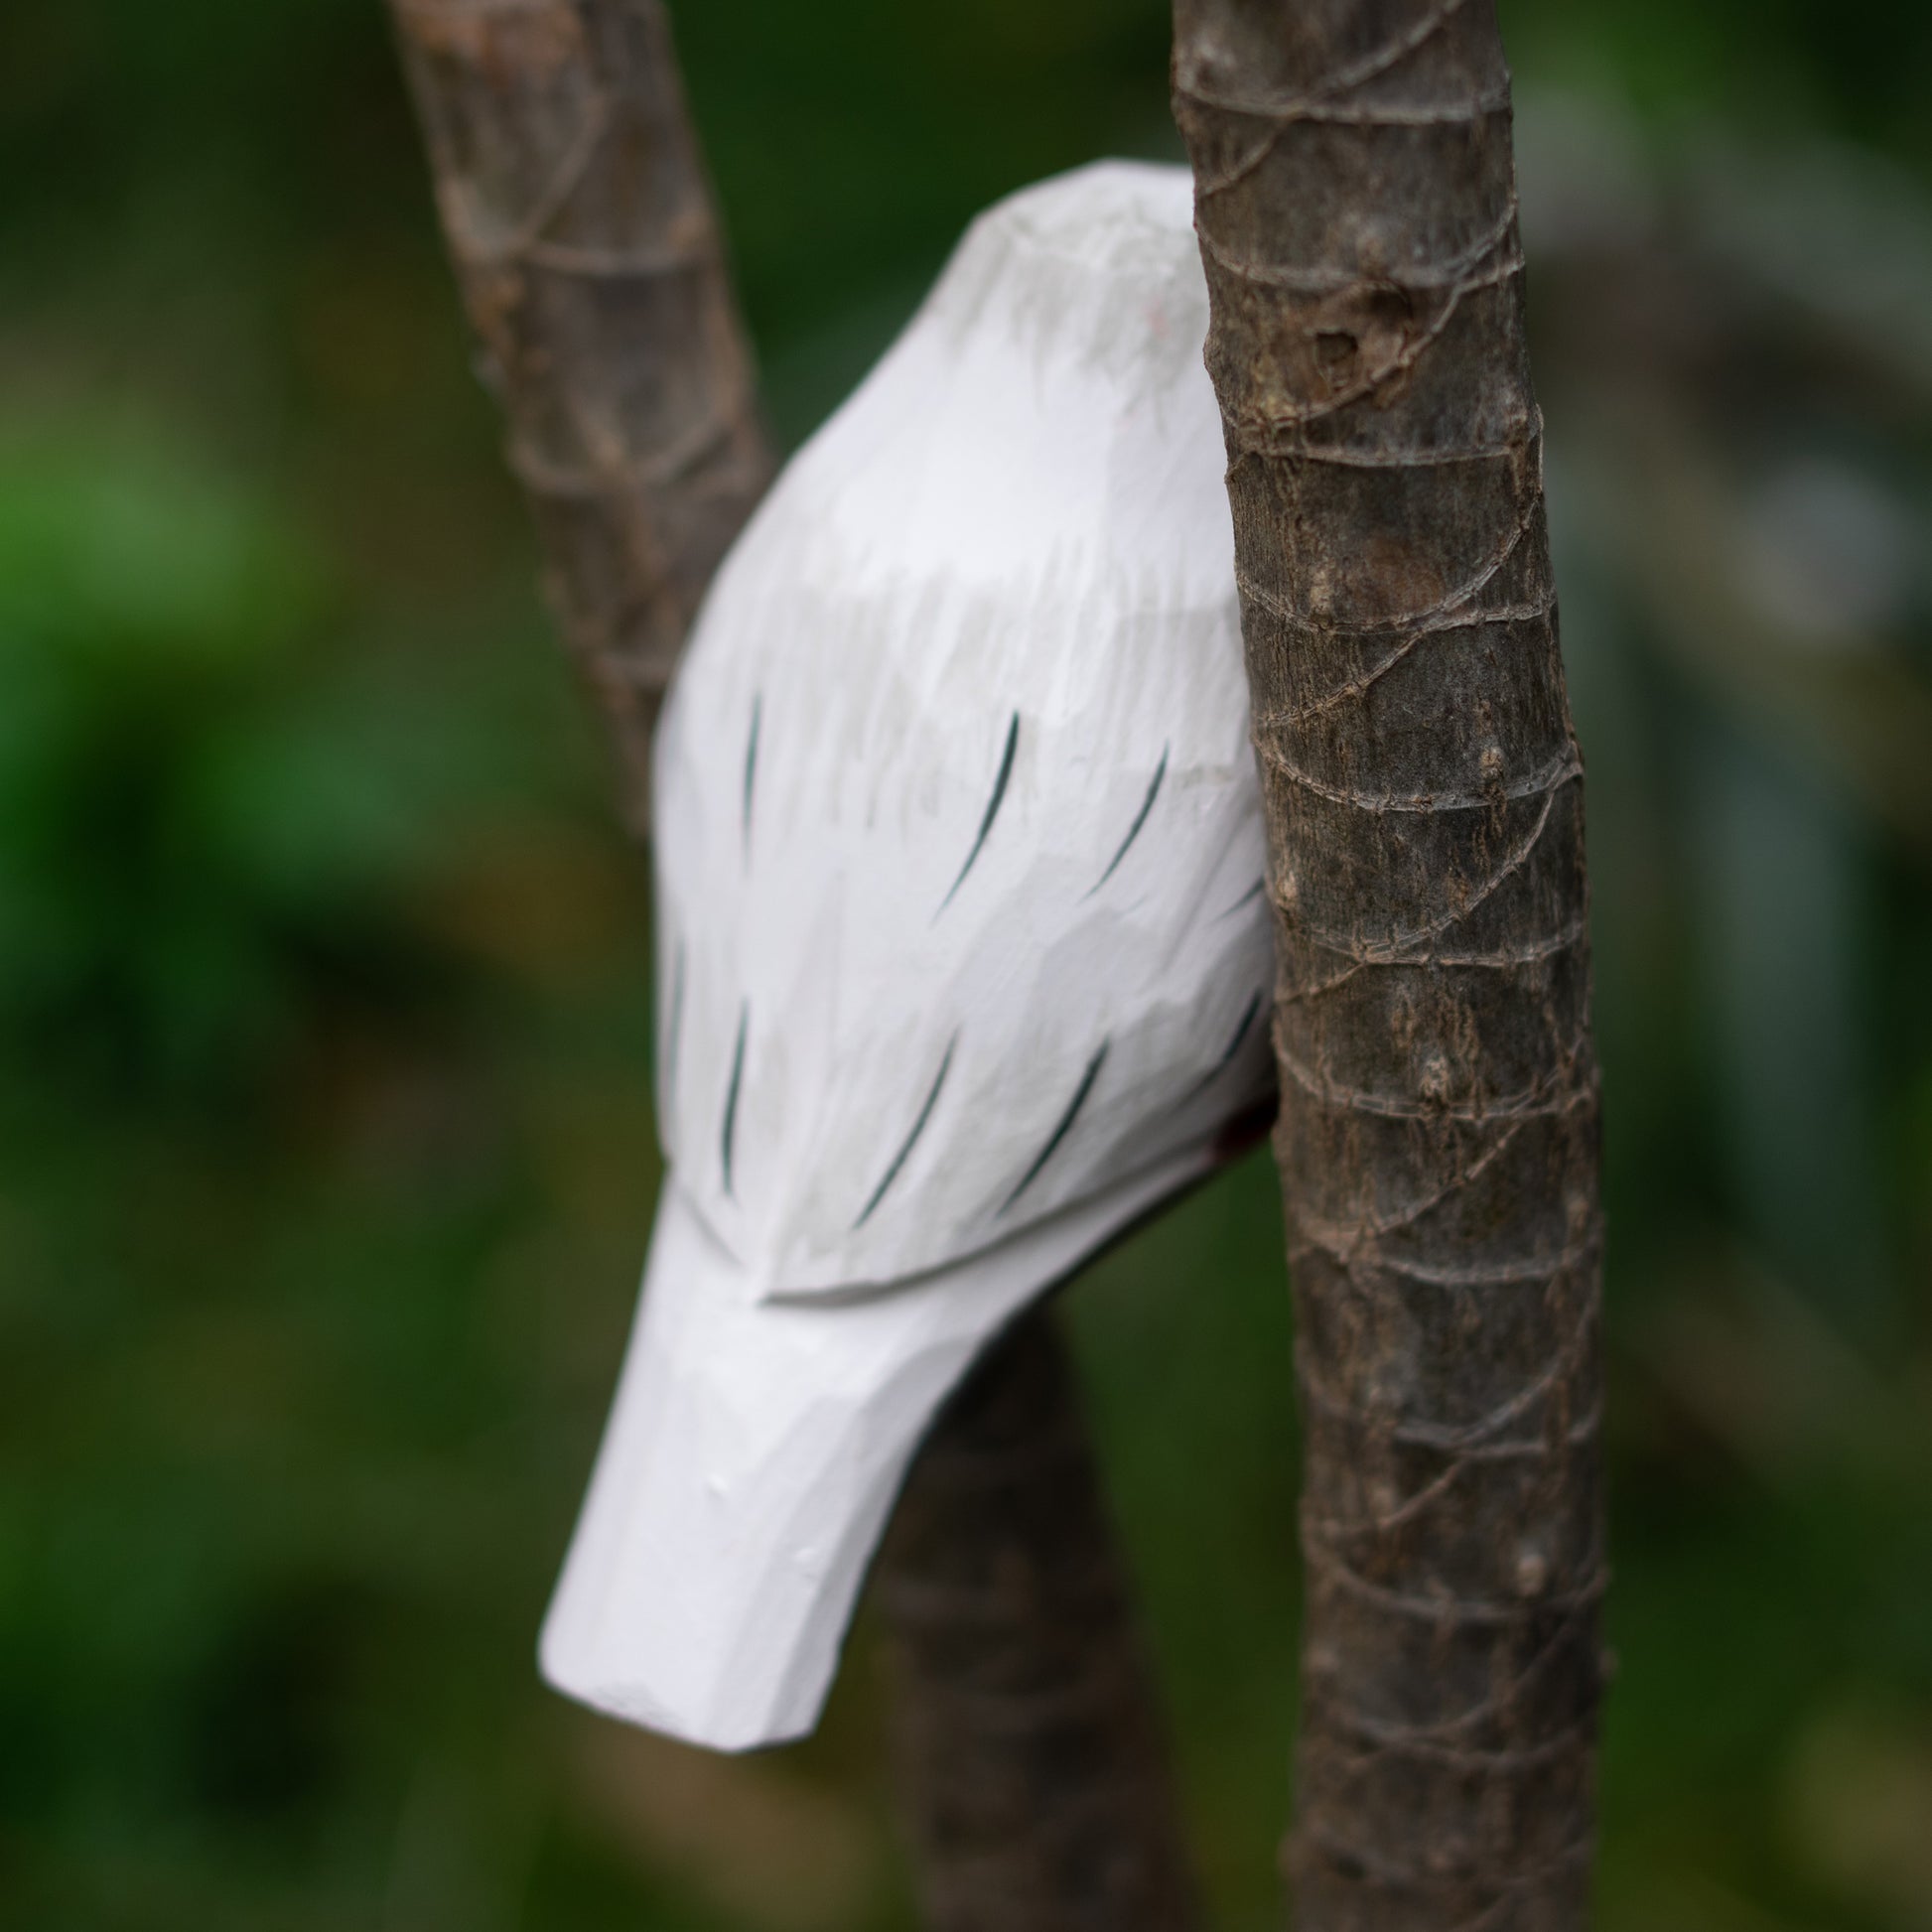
958 831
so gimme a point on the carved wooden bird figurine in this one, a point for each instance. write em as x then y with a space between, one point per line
963 950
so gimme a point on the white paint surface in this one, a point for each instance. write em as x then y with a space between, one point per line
919 1054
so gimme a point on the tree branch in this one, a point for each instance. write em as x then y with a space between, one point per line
1438 1140
576 215
580 223
1034 1768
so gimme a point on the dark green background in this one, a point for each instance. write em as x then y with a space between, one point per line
325 1156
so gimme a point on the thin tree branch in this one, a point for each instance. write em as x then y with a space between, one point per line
579 220
1034 1768
1438 1140
580 223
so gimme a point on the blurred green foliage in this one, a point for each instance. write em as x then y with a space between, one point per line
326 1157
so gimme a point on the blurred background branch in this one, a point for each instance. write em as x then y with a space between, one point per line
578 218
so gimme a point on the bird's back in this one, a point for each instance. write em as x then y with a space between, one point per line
958 837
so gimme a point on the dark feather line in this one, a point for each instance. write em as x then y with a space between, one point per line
752 763
1248 898
992 810
1227 1060
911 1140
731 1094
1134 830
1060 1133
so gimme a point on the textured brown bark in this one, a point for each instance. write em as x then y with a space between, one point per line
1038 1781
580 223
1438 1140
578 217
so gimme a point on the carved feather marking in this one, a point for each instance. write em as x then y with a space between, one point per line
992 810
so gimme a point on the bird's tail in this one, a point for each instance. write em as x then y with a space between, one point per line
751 1457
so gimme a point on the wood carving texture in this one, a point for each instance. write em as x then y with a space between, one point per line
577 216
1025 1723
577 213
1438 1138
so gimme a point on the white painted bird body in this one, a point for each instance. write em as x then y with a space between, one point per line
963 959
